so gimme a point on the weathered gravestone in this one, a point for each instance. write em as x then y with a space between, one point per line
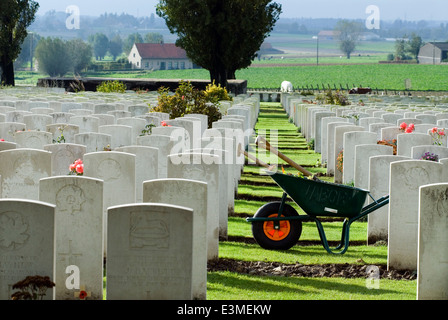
351 140
94 141
201 167
79 234
117 170
432 264
405 142
405 179
21 170
63 155
149 252
338 145
121 135
379 171
27 243
191 194
146 166
166 144
33 139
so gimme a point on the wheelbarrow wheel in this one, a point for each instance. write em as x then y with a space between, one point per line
281 235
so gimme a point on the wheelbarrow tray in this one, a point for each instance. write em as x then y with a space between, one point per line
321 198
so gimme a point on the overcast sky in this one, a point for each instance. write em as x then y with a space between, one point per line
413 10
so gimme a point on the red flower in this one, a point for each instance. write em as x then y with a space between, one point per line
408 130
82 295
403 126
434 130
2 139
79 168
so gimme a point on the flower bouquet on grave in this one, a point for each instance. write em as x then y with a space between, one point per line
77 168
407 128
437 135
340 161
392 143
430 156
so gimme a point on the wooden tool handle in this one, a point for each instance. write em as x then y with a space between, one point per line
262 142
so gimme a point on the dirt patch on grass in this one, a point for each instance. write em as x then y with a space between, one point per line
261 268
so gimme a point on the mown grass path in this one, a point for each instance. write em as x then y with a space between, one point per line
244 271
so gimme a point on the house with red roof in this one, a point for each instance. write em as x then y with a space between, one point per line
159 56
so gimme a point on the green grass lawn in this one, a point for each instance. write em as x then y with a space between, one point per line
253 188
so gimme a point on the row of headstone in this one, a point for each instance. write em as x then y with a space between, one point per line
156 228
413 224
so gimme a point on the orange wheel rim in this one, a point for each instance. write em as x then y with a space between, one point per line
276 234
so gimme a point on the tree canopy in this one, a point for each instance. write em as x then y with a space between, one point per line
349 32
15 17
220 36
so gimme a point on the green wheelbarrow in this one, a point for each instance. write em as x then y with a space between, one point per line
277 225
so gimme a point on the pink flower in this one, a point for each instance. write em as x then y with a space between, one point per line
79 168
72 167
411 126
2 139
403 126
408 130
442 132
164 124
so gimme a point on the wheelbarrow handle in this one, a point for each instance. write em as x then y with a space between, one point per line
257 161
263 143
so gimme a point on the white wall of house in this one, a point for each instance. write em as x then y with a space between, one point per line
157 64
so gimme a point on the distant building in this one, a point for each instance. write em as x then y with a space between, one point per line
433 53
328 35
159 56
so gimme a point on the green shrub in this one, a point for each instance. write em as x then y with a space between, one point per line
111 86
186 100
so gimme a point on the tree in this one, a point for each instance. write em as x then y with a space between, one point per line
53 57
27 49
116 46
100 45
15 17
80 54
153 37
414 45
220 36
130 40
349 32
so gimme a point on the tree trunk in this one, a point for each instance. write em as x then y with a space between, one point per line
219 75
7 67
348 55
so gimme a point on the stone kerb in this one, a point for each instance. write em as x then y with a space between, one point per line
79 233
432 266
405 179
350 140
379 176
149 256
191 194
30 227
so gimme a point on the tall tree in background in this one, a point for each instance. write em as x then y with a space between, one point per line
349 33
220 36
53 57
15 17
100 45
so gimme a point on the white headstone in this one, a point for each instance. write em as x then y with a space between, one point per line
79 234
27 243
149 252
432 264
63 155
94 141
21 170
191 194
405 179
